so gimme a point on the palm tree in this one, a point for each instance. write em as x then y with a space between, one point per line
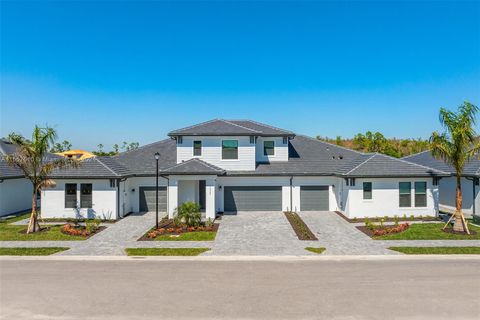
456 146
31 158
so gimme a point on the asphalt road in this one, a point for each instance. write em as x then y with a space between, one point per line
325 289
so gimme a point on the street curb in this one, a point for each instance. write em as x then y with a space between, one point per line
247 258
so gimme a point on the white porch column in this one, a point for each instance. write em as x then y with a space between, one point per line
210 186
172 194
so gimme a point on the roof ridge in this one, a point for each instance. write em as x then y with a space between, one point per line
240 126
331 144
196 125
103 164
360 164
415 154
409 162
265 125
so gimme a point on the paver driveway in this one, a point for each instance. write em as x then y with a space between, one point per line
257 233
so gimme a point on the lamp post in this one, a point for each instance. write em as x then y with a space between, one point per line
157 156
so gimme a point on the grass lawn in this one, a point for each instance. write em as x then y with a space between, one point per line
437 250
189 236
10 232
429 231
165 251
30 251
315 250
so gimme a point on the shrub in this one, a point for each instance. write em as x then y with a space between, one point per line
209 223
152 235
396 221
161 231
188 213
170 230
400 228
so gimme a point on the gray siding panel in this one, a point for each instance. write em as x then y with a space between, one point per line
147 199
252 199
314 198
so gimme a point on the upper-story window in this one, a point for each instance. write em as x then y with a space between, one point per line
268 148
285 140
179 140
197 148
229 149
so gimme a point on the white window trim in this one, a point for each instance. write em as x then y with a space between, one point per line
263 147
221 150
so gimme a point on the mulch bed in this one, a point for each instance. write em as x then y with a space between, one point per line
94 232
450 230
370 233
300 228
377 219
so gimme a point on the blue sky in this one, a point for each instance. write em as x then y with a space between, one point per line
106 72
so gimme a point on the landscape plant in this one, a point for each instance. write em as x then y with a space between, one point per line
188 214
32 158
457 145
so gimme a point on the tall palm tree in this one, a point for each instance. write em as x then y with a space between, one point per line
31 158
456 146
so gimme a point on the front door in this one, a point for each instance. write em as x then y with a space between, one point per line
201 194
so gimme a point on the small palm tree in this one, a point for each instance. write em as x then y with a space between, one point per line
31 158
456 146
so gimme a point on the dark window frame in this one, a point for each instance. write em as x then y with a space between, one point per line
71 195
367 194
402 197
197 151
230 153
420 198
265 148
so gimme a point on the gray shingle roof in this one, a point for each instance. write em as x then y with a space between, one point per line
193 166
472 168
380 165
221 127
6 171
95 167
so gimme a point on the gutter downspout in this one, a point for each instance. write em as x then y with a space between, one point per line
291 193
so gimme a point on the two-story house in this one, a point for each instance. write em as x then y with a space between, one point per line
232 166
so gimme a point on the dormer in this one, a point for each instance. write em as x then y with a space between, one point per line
234 145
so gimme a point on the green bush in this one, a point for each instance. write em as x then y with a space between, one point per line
188 214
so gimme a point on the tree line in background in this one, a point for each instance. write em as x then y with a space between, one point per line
376 142
126 146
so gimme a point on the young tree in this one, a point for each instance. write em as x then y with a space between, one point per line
61 147
456 146
31 158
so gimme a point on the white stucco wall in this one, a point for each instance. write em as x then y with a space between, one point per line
385 199
15 196
281 150
212 152
447 190
104 200
132 191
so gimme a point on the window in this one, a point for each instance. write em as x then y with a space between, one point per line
179 140
436 181
252 139
350 182
229 149
285 140
268 148
197 148
70 195
112 183
420 194
367 190
86 195
477 181
405 189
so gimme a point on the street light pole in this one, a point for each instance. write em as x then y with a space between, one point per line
157 156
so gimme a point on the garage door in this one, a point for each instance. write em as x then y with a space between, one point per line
314 198
147 199
252 199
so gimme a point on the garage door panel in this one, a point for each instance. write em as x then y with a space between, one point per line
314 198
147 199
253 198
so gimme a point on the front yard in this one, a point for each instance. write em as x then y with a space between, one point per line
9 232
165 251
31 251
430 231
